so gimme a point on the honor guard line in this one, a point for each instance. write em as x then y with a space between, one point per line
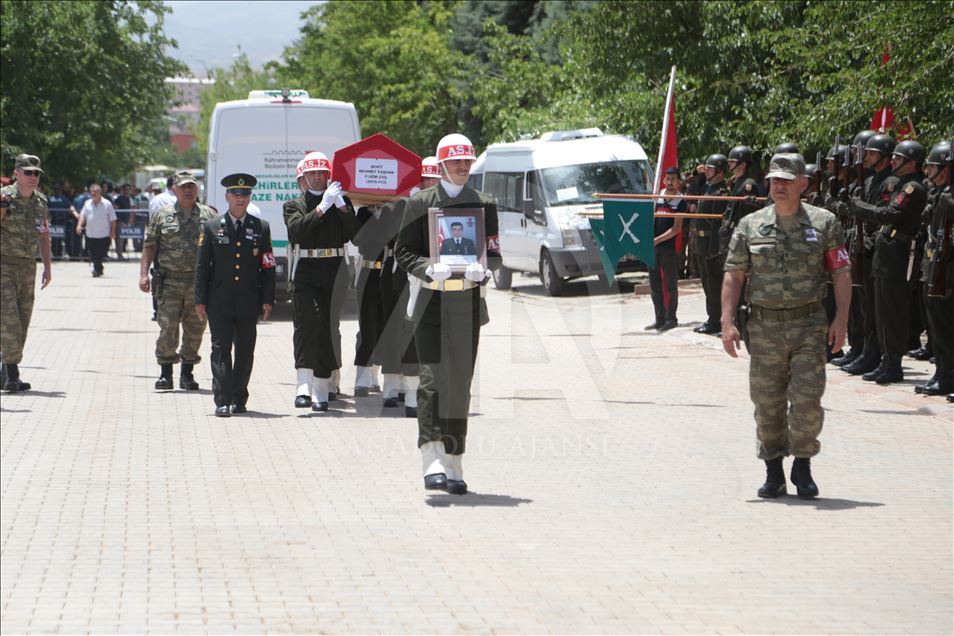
668 215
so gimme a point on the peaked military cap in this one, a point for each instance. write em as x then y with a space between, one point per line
239 181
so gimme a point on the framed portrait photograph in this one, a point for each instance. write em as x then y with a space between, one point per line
457 237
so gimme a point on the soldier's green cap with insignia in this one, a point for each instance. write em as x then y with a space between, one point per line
27 162
182 177
239 183
786 165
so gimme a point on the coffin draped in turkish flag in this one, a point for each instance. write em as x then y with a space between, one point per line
376 169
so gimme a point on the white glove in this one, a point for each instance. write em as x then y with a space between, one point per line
476 272
340 202
330 196
438 272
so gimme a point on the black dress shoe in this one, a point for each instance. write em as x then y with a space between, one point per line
892 373
802 478
437 481
15 386
456 487
873 375
222 411
302 401
239 409
319 407
950 397
707 328
360 391
666 326
920 354
652 326
852 355
410 411
938 388
919 388
774 486
865 363
332 396
164 384
390 403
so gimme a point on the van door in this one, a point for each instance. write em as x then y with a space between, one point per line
535 214
507 189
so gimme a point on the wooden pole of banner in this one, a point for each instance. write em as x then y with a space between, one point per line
660 215
687 197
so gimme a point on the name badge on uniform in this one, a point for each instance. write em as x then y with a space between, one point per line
810 235
249 232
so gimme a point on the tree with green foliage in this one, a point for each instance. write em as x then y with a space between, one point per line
82 84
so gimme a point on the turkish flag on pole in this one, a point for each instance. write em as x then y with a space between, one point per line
667 143
883 120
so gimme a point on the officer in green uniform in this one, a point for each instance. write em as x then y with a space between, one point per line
449 312
705 231
24 228
939 300
785 250
399 365
234 284
319 223
172 240
894 256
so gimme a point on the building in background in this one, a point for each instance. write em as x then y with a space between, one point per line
185 109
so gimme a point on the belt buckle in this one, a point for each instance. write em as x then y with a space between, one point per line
454 284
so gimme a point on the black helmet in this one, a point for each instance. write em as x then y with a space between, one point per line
880 143
742 154
719 162
940 154
860 140
811 169
910 150
843 152
786 148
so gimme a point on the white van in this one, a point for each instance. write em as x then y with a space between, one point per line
542 185
266 135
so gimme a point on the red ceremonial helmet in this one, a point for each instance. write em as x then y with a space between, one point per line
430 168
455 146
315 162
300 169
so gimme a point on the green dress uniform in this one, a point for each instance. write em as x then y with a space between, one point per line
320 280
25 219
371 239
447 322
787 262
174 233
235 277
899 219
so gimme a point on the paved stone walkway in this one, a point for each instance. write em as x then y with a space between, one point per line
614 473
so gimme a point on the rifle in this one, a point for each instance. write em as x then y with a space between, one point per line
817 177
939 286
833 182
857 274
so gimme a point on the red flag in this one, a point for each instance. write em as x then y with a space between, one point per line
883 120
668 157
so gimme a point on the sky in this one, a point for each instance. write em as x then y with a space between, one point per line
209 33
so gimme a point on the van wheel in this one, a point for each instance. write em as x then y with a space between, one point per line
503 278
548 275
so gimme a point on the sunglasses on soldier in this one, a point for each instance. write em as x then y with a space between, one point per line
31 173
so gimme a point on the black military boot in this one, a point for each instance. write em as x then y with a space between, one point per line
868 361
164 383
853 354
802 478
919 388
12 382
186 381
873 375
892 372
774 485
921 353
942 385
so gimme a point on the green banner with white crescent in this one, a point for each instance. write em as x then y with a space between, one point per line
626 228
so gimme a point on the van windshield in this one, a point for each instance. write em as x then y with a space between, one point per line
575 185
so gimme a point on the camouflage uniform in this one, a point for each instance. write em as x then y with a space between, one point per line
18 248
175 233
787 329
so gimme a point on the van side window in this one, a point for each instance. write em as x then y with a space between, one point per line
535 192
476 181
507 188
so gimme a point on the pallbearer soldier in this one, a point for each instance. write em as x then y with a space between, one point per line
449 313
234 284
938 271
894 255
398 353
172 242
371 239
24 220
787 326
706 231
319 222
878 186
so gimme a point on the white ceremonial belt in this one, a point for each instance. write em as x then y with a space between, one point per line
328 252
452 285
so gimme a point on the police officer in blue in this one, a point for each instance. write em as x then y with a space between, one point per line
234 285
